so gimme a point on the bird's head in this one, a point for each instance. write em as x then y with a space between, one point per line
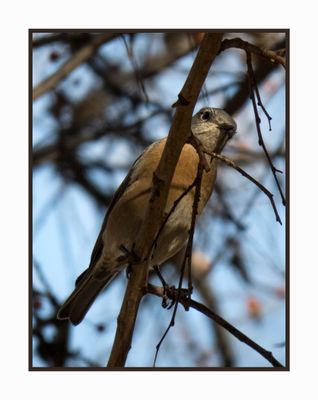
213 127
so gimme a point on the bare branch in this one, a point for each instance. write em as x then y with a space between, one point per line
238 43
189 303
77 59
177 137
253 86
263 70
249 177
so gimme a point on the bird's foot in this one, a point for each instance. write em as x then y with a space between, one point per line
173 294
166 288
129 257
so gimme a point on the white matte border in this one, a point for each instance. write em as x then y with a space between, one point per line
16 18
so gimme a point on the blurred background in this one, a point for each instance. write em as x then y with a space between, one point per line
99 99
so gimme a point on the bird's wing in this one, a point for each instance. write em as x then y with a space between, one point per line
98 248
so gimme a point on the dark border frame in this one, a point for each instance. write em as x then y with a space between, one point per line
287 215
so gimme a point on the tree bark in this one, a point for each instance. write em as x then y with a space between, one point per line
179 132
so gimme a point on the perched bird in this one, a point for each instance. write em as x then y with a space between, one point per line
212 127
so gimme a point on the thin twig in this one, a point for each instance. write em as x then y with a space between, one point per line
249 177
172 209
187 260
263 70
260 103
261 142
271 55
189 303
195 142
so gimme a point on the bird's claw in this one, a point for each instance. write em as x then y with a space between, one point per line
129 257
173 294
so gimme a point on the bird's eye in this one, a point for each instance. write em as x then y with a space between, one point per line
205 116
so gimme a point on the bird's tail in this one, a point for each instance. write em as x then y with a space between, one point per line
83 296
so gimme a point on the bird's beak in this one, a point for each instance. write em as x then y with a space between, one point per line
229 129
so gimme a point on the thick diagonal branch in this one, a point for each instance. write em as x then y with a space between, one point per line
179 132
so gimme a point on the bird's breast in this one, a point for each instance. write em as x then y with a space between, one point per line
128 213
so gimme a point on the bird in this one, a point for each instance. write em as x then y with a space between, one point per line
212 127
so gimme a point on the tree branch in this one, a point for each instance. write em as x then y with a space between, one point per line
189 303
238 43
249 177
179 132
263 70
253 87
78 58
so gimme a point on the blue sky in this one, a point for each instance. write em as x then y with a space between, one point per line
64 237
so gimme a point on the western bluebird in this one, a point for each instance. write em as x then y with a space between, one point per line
213 127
